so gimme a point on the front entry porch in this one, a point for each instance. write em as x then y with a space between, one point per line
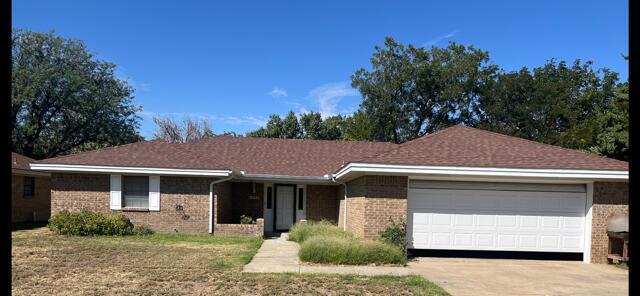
280 205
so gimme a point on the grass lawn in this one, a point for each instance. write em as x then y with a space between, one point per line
171 264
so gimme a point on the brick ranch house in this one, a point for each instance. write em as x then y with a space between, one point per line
458 189
30 191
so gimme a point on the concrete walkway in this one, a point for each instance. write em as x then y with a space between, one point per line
278 255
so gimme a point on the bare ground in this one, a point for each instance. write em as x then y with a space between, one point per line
171 264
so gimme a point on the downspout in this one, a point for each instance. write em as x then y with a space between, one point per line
333 178
211 205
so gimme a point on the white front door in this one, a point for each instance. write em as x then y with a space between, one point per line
284 207
494 216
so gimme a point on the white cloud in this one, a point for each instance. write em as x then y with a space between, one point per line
328 96
436 40
278 92
226 119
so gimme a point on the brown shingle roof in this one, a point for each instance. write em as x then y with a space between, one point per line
465 146
455 146
289 157
20 162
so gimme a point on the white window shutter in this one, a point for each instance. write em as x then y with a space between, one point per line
154 193
115 197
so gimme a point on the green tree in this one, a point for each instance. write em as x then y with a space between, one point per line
311 123
357 127
273 129
332 128
613 140
291 127
314 127
309 126
411 91
65 100
557 104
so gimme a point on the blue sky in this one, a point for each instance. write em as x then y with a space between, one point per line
236 62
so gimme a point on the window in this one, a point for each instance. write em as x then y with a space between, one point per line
29 186
269 197
135 191
300 199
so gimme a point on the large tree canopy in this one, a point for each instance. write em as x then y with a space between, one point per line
307 126
411 90
557 104
64 100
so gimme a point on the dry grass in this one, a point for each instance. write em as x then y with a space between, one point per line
171 264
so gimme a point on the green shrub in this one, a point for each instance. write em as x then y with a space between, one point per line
395 234
142 230
349 251
86 223
300 232
244 219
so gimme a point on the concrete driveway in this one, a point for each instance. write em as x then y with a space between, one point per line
522 277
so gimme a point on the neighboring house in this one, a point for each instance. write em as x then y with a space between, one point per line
460 188
30 191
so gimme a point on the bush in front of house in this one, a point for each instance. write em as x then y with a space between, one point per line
88 223
349 251
300 232
142 230
244 219
396 234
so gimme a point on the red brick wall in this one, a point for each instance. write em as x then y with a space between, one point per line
322 202
36 208
373 202
91 191
380 212
355 215
256 230
609 198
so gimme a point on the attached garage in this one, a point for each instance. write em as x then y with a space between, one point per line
496 216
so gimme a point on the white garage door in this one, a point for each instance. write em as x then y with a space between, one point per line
496 216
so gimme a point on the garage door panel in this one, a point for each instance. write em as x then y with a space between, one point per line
464 220
485 240
441 239
441 219
571 242
486 221
529 222
576 223
550 242
528 241
463 239
506 219
506 241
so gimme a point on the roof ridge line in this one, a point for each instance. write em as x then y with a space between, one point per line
423 137
590 154
309 140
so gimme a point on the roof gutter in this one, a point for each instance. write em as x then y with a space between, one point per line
481 172
128 170
284 179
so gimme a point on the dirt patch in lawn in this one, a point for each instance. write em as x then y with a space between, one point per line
171 264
